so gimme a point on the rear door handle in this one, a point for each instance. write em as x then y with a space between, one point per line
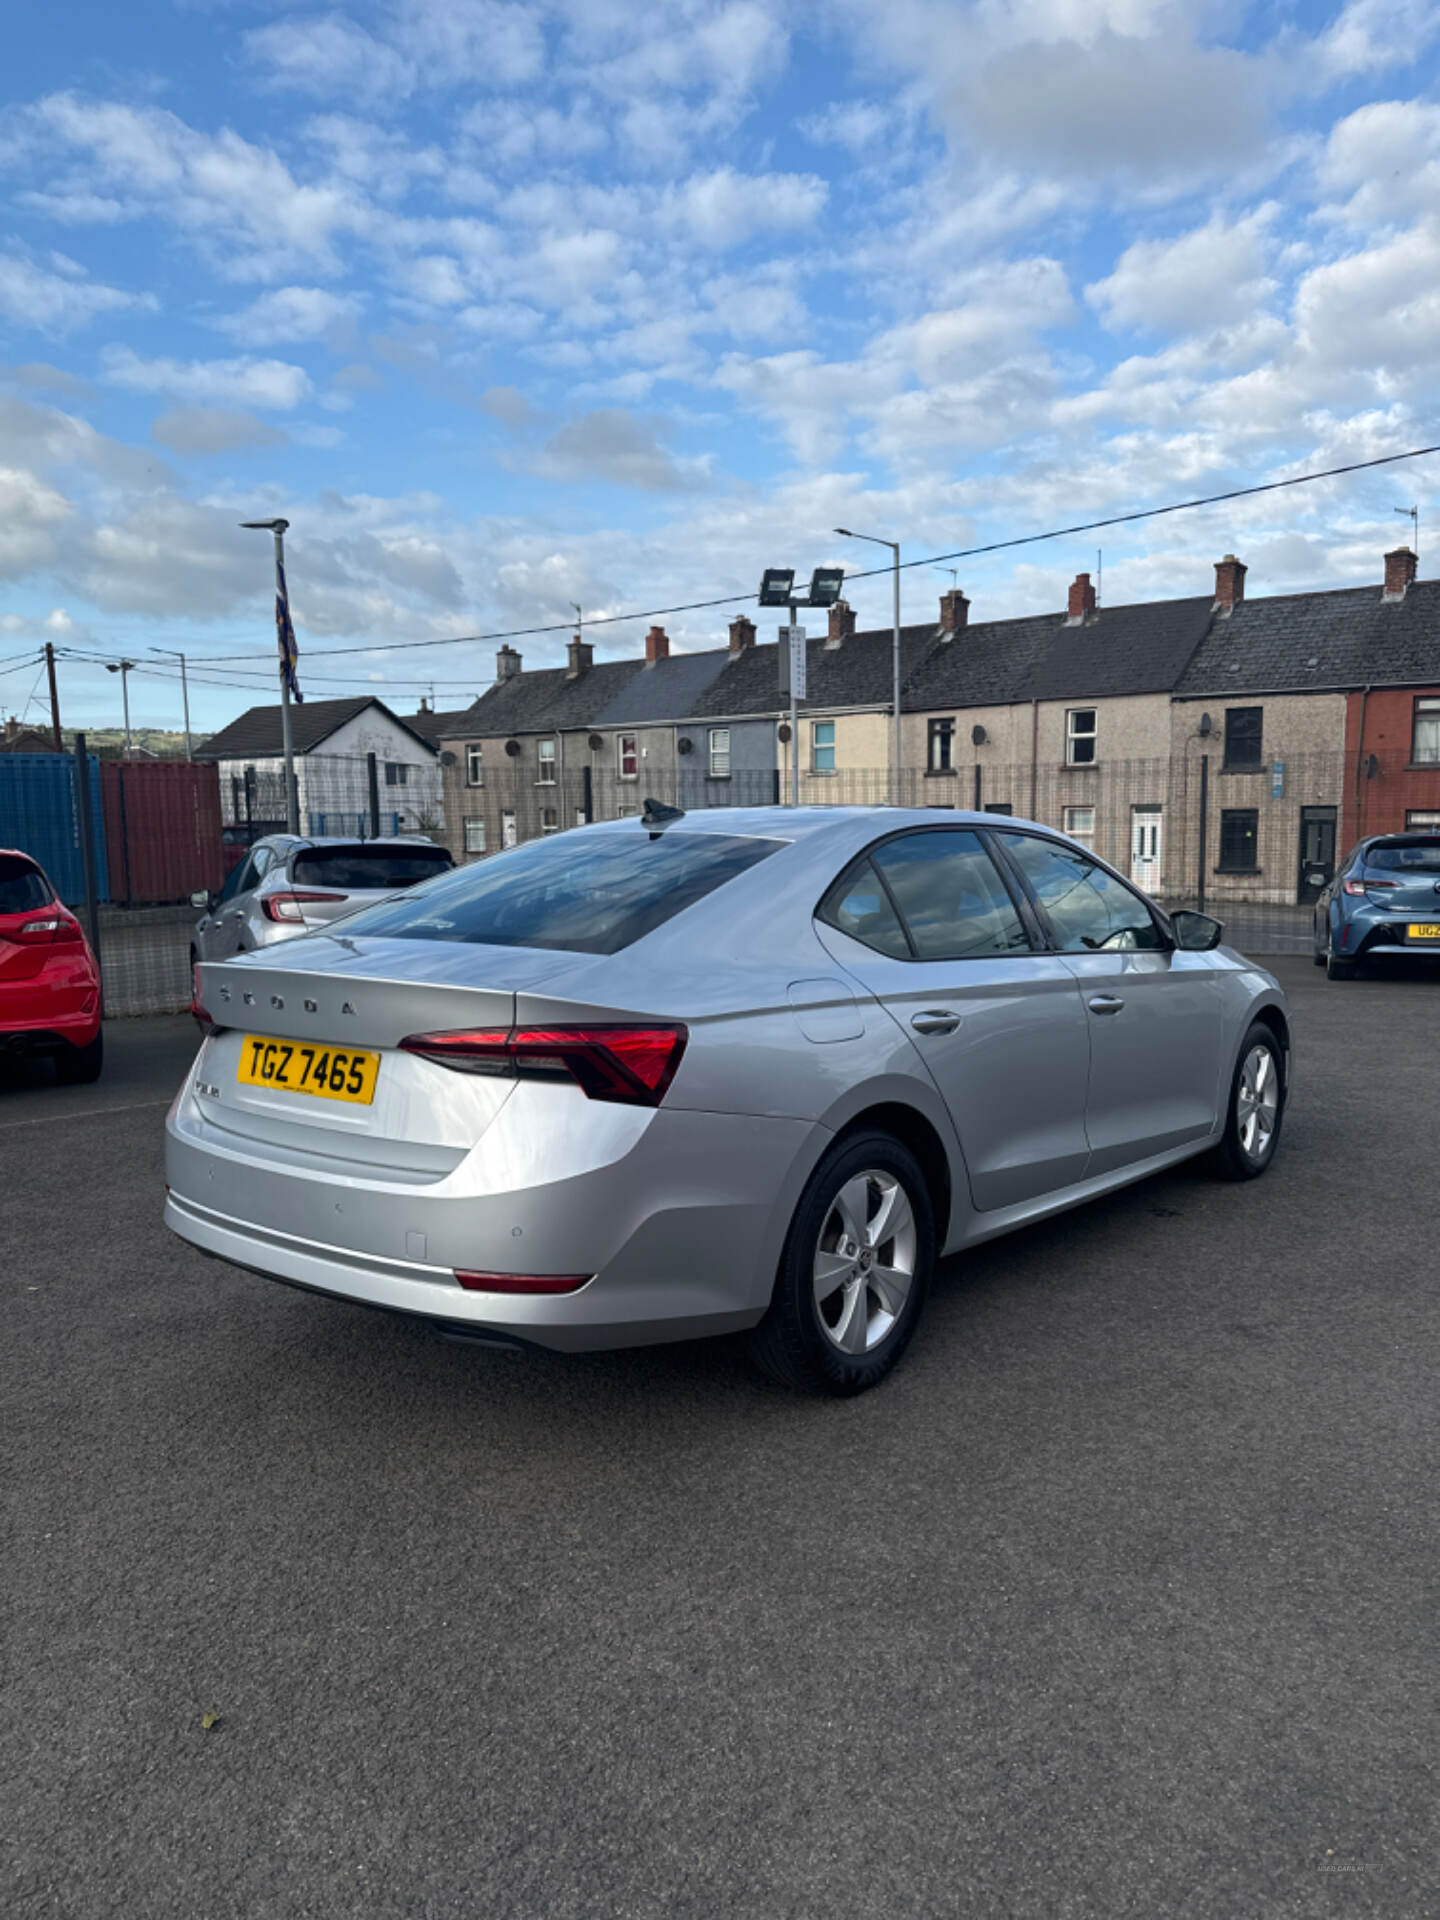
1106 1003
936 1021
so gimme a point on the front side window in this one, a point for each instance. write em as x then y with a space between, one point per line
1080 824
474 835
474 765
822 746
719 752
941 746
545 770
627 757
951 899
595 894
1244 736
1239 838
1080 731
1425 746
1090 910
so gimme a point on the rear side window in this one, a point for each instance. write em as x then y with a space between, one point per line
356 868
951 896
22 886
858 905
595 893
1400 856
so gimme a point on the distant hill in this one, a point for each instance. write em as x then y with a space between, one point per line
108 743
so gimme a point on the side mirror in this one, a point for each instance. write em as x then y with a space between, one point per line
1195 932
200 901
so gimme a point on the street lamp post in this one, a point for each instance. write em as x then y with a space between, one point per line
282 619
124 668
894 546
184 690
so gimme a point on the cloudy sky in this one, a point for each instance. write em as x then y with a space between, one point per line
506 306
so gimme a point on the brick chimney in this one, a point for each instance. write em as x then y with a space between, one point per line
12 727
507 664
1229 584
954 612
1400 566
1082 601
657 646
842 623
742 634
582 658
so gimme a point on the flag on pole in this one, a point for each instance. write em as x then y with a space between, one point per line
285 633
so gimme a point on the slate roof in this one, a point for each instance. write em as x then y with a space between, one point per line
435 727
548 700
667 690
1316 641
858 673
257 734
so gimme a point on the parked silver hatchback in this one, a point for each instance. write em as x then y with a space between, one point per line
286 885
748 1069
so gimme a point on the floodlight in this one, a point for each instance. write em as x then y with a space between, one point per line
825 585
777 587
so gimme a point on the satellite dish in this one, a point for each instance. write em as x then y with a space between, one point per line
684 744
447 758
1206 727
978 735
512 747
595 742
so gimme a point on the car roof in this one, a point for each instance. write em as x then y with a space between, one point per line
348 840
799 823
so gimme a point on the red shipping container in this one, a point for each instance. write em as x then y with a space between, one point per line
162 830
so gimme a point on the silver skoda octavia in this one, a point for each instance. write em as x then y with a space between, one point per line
696 1074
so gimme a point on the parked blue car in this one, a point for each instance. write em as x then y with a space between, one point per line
1384 899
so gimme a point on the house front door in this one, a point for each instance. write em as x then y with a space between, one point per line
1317 853
1147 843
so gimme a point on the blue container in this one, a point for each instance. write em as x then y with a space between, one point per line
39 816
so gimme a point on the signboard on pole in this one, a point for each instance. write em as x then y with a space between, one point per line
792 642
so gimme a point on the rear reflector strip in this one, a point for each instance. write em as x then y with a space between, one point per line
522 1282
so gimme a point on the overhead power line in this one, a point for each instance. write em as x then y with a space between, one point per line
929 560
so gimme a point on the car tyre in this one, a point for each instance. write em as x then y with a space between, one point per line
854 1273
1256 1108
1339 969
77 1066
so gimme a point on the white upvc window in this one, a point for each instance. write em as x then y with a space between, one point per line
822 746
397 773
1425 749
474 764
1081 727
627 757
474 834
1080 824
545 769
719 753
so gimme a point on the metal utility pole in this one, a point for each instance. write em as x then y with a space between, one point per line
54 695
184 690
777 589
286 637
894 546
124 668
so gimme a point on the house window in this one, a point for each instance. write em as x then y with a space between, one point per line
1080 824
822 746
625 813
549 820
474 834
1244 736
545 771
719 753
1239 836
1080 731
627 758
1425 745
474 765
940 751
396 773
1422 822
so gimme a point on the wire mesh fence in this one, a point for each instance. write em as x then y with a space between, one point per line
1253 844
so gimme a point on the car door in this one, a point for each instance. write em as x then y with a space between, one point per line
1155 1016
228 929
929 926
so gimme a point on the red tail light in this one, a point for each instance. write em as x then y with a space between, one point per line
289 908
48 929
197 1006
1357 889
632 1065
522 1282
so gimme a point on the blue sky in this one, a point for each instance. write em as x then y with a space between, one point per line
507 306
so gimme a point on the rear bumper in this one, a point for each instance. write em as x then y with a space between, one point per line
47 1033
682 1234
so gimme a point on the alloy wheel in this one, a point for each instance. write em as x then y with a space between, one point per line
1257 1100
864 1261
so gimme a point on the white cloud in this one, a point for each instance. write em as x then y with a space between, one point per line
1210 277
613 445
292 313
1386 157
723 208
330 57
31 513
58 298
434 43
207 430
244 382
1370 36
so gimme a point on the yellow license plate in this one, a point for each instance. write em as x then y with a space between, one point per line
290 1066
1423 930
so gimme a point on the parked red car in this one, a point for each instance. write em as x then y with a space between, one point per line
49 982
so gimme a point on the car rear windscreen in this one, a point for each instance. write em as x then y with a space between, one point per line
1401 856
354 869
592 893
22 887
